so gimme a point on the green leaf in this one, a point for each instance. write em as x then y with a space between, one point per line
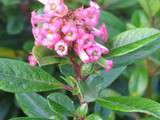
138 80
131 104
114 24
132 40
41 51
49 60
149 118
34 105
132 36
139 19
10 2
17 76
134 44
151 7
104 113
15 24
94 117
28 45
71 81
66 69
108 93
119 4
27 118
85 2
61 104
46 56
98 82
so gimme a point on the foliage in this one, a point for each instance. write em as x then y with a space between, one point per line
129 91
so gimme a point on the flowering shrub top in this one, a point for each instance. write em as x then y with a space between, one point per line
69 46
63 30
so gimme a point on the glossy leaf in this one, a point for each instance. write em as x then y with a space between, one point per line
5 105
17 76
108 93
119 4
134 44
15 24
139 19
61 104
131 104
151 7
138 80
98 82
133 47
67 69
104 113
8 2
93 117
149 118
28 45
27 118
46 56
34 105
132 40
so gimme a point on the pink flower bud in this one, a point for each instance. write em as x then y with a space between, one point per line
102 32
102 48
106 64
38 36
32 60
55 8
61 48
93 4
109 65
35 19
82 55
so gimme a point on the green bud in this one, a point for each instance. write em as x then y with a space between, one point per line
87 69
75 91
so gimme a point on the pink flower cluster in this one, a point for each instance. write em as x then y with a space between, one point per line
63 30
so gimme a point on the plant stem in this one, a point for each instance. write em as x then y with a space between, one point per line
150 75
80 96
77 69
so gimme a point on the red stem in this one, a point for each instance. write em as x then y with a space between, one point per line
77 69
